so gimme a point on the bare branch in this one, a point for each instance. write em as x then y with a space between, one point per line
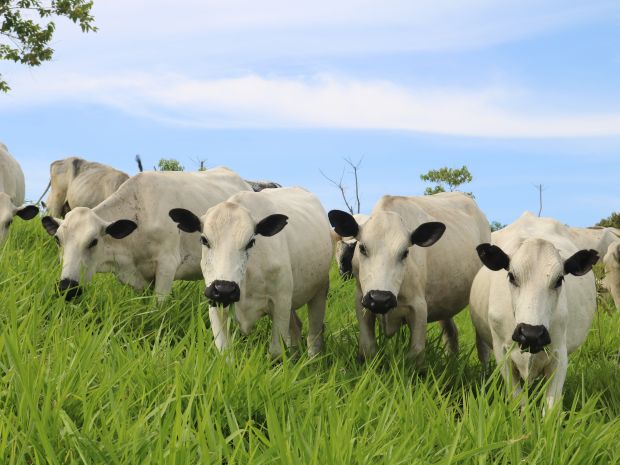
355 167
342 189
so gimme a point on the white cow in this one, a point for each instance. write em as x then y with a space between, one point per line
345 246
413 286
76 182
246 260
597 238
612 271
156 252
534 302
12 192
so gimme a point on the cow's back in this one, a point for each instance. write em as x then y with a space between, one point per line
93 184
147 199
452 262
11 177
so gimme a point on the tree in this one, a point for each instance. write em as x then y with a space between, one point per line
26 28
169 164
613 221
496 226
445 177
353 206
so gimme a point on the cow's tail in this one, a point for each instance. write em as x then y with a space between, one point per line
44 192
139 162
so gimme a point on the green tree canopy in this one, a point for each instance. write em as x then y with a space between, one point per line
446 178
612 221
170 164
27 28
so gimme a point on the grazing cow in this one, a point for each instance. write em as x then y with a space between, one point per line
345 246
12 192
612 271
534 302
403 285
246 260
156 252
597 238
80 183
258 186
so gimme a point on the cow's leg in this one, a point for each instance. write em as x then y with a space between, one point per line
512 379
557 372
164 276
417 317
483 351
368 343
450 336
316 317
295 329
280 326
218 316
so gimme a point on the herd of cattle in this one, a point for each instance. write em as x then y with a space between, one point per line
416 260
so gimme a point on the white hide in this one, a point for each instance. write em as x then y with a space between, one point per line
612 271
538 248
12 190
277 274
155 252
431 283
76 182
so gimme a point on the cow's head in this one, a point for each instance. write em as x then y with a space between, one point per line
344 257
62 173
383 249
87 245
535 274
228 234
8 211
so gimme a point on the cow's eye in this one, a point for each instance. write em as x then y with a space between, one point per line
93 243
204 241
512 279
404 255
363 250
250 244
559 282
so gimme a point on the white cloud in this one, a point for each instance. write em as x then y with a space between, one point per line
323 101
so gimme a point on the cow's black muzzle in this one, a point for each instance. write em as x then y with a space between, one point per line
531 337
70 288
379 302
223 293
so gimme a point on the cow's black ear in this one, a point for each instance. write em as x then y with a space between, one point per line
121 228
271 225
427 234
28 212
343 223
581 262
185 220
493 257
50 224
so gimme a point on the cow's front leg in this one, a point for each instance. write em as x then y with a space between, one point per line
556 370
218 316
417 317
164 276
368 343
280 327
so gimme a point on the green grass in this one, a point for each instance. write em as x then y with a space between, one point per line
116 379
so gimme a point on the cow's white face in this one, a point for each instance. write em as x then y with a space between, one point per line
228 234
8 211
383 248
86 244
536 280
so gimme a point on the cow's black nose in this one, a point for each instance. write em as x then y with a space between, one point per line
223 292
531 337
379 301
70 288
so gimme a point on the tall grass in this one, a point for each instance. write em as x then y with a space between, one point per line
116 379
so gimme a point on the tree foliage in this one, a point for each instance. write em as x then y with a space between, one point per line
27 28
446 178
612 221
170 164
496 226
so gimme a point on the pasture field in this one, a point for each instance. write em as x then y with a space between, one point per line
116 379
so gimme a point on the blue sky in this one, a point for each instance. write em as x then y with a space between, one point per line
522 93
